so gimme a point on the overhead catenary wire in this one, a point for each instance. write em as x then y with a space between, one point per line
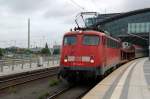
77 5
134 35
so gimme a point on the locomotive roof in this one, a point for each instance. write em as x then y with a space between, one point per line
89 32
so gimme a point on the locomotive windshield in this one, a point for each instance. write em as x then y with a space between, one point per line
91 40
69 40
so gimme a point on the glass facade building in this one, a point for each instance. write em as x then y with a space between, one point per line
131 22
139 27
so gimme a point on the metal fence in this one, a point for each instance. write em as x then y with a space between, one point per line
28 63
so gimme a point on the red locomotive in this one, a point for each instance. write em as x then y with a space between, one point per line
88 53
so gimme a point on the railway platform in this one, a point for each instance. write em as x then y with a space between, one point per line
130 81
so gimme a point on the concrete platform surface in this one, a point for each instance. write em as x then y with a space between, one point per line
130 81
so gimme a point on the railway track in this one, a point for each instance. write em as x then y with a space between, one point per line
64 92
70 92
58 92
18 79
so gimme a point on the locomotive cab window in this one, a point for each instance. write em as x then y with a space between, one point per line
70 40
91 40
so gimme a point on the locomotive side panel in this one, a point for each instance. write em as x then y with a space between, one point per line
112 52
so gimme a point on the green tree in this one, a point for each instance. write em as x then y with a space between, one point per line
46 45
1 53
45 50
28 51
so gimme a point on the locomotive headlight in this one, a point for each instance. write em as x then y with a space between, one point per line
92 61
65 60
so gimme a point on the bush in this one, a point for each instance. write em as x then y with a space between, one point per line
53 82
43 95
1 52
45 51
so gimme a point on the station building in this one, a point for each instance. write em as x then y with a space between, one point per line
136 23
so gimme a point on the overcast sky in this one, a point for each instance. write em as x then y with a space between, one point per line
50 19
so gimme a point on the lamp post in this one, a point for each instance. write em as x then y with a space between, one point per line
28 33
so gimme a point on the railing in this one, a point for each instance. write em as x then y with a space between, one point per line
29 63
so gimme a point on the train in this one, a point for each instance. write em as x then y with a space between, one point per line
91 54
88 53
132 51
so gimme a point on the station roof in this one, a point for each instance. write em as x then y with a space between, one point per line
119 16
126 37
134 40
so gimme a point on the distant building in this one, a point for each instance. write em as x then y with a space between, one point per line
56 49
36 50
136 22
14 49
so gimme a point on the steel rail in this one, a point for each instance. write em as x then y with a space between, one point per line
59 92
27 77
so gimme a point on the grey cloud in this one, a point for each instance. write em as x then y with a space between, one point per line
65 12
61 11
121 5
55 17
136 4
58 9
24 6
